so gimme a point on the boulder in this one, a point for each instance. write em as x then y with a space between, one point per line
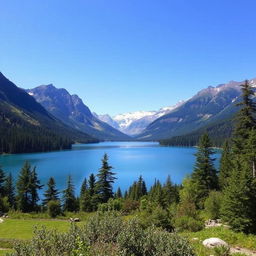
214 242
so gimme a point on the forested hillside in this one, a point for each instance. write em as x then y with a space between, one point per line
25 126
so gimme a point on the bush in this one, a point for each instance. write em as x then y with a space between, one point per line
54 208
105 235
134 240
111 205
130 206
186 223
4 204
213 204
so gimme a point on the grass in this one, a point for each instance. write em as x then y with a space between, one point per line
23 228
232 238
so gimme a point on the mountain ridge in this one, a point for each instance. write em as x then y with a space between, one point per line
71 110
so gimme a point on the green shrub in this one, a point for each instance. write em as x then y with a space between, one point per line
105 235
54 208
213 204
186 223
4 204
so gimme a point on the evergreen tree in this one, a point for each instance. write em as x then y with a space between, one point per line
2 180
118 193
225 165
239 195
156 193
51 193
92 185
10 190
84 188
34 186
23 189
105 180
170 192
204 174
245 120
239 200
69 199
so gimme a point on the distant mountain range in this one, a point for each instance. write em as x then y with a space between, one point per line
71 110
208 108
26 126
134 123
211 109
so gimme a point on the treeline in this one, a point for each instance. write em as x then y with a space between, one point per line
24 136
218 132
96 193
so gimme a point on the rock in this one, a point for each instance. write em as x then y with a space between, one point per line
214 242
1 220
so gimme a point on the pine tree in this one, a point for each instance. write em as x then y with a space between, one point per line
170 192
245 120
204 174
239 195
105 180
225 165
84 188
10 190
23 189
2 180
51 193
92 184
118 193
239 200
34 187
69 199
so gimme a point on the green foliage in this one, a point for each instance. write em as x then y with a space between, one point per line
54 208
226 165
134 240
106 178
111 205
213 204
51 194
187 223
69 199
9 190
204 175
27 189
4 204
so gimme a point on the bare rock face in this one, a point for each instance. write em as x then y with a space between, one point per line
214 242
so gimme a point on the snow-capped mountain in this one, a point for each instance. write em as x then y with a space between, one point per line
134 123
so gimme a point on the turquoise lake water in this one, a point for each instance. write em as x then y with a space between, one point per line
129 159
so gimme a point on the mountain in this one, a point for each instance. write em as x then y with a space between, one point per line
134 123
207 108
71 110
25 126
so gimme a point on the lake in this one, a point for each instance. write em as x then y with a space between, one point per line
129 159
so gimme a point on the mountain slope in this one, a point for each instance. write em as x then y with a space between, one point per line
71 110
25 126
134 123
207 107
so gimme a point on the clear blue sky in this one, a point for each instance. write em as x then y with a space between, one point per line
127 55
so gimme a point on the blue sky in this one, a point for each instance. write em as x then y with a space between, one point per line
127 55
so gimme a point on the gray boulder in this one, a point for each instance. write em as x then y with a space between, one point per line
214 242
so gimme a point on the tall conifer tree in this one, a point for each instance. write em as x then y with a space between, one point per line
51 193
204 175
105 180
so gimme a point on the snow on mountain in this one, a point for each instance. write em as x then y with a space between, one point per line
133 123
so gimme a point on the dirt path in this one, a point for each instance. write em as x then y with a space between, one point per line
243 250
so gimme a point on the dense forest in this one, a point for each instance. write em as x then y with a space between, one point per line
218 132
25 126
